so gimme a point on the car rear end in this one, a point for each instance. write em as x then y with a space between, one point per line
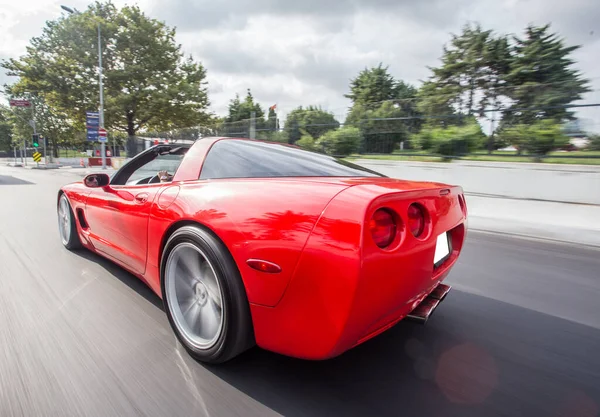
410 241
378 253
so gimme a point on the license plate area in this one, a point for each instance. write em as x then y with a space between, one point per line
443 248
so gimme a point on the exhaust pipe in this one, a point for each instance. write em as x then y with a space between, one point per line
423 311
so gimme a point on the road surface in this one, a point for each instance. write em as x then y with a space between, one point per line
518 336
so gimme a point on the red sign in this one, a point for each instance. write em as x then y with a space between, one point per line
20 103
102 132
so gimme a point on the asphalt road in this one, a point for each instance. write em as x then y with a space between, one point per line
519 336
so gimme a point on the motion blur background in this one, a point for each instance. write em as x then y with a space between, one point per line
500 97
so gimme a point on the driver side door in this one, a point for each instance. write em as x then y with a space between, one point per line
117 215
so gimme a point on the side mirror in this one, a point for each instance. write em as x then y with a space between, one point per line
96 180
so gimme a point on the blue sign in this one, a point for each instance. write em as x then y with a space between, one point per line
92 122
92 119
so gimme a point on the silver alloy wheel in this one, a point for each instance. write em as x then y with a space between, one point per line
64 220
194 295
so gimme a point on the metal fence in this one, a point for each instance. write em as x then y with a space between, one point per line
427 137
450 136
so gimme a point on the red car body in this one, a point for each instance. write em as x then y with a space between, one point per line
336 288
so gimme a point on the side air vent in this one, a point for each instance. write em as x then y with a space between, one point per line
81 219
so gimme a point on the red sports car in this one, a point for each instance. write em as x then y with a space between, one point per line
249 242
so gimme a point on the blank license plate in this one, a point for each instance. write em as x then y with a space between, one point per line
442 249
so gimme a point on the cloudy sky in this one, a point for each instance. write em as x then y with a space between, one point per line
294 53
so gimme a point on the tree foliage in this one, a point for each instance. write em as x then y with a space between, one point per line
538 138
372 86
307 142
340 142
6 129
376 98
148 83
50 123
242 110
594 143
470 75
311 120
452 140
542 81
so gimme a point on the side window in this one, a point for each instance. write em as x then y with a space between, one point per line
157 165
148 172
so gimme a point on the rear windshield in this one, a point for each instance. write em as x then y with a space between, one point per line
249 159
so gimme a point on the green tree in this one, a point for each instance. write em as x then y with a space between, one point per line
340 142
242 110
312 121
383 108
53 125
594 143
237 122
148 83
498 58
537 139
280 136
542 80
382 127
372 85
471 71
307 142
453 140
6 129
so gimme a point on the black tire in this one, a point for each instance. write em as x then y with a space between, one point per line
71 240
236 334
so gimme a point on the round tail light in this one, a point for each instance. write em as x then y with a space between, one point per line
416 220
383 228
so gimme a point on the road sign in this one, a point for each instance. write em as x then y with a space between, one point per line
102 136
92 123
92 119
37 157
20 103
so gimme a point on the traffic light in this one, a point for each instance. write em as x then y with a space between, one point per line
36 140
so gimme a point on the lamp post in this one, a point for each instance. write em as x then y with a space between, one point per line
101 112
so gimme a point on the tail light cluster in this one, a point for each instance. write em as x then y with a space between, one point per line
385 225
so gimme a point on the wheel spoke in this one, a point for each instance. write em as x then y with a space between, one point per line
210 318
192 313
193 295
190 263
210 280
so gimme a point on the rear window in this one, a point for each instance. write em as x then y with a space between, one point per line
249 159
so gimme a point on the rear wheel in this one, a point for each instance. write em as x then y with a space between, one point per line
66 224
204 296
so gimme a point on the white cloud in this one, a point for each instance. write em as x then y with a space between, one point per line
305 53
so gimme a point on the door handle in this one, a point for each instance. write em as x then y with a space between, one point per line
141 197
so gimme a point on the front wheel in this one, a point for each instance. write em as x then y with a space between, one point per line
66 224
204 296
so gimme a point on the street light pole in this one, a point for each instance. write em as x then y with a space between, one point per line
101 110
102 144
